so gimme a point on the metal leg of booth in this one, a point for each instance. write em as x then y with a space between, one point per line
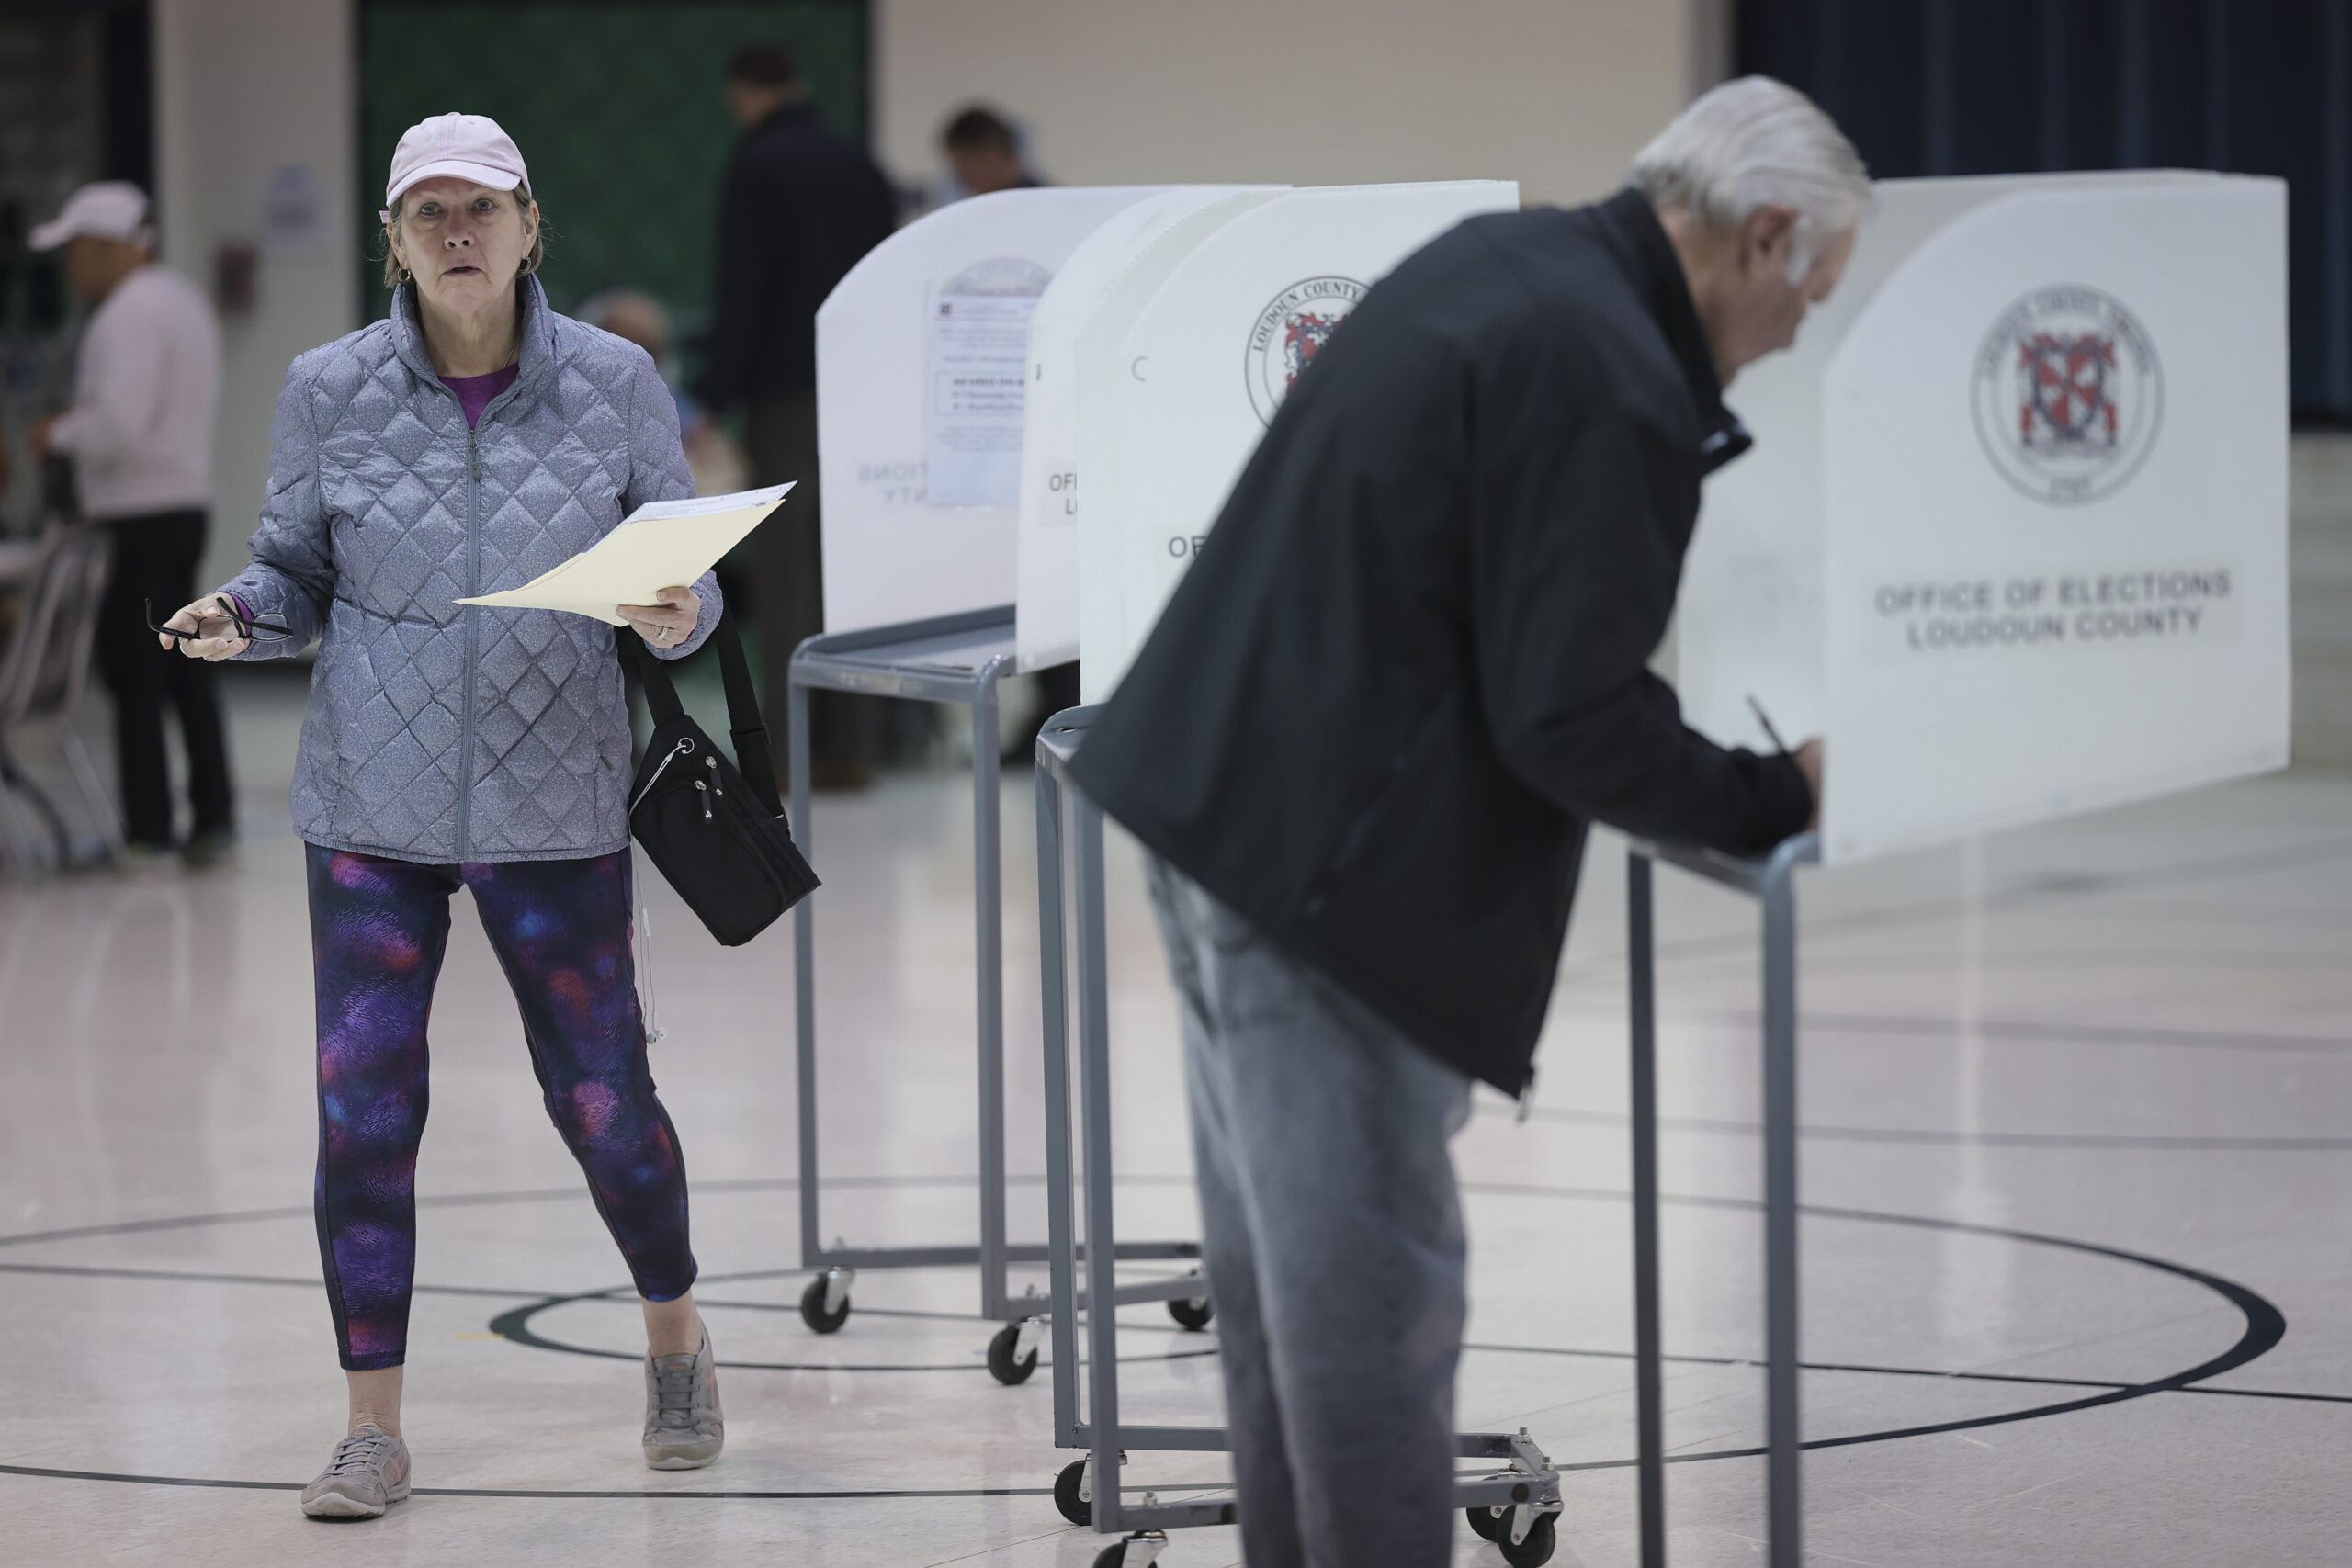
955 660
1515 1505
1649 1370
1770 880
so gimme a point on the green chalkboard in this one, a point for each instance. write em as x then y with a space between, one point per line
617 106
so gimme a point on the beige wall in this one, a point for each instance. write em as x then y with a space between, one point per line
242 88
1555 94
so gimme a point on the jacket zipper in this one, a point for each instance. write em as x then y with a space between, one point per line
473 638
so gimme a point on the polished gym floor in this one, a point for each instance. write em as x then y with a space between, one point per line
2078 1253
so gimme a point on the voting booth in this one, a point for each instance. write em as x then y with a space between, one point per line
1183 363
922 352
2013 538
964 366
1047 520
2013 541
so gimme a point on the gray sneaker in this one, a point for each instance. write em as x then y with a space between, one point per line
684 1430
368 1475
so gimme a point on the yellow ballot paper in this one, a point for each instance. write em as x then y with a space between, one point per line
659 545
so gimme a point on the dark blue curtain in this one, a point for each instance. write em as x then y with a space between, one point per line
2009 86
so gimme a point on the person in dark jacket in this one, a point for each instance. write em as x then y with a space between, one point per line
1365 740
800 206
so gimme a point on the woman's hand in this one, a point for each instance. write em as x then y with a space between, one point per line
669 623
209 617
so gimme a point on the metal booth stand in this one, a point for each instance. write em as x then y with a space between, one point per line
953 658
1769 879
1513 1506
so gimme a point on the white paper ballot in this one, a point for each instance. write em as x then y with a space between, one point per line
659 545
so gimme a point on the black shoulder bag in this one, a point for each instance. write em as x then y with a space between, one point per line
717 831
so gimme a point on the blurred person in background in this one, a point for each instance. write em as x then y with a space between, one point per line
462 446
799 209
635 316
984 153
1365 741
140 435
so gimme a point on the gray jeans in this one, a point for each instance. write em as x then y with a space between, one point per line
1333 1231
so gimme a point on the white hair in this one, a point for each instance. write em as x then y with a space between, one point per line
1751 143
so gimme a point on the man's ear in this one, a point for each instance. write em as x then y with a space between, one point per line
1764 239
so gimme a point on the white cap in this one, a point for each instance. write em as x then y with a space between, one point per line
109 209
463 146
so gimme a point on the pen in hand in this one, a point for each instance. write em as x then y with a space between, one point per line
1766 720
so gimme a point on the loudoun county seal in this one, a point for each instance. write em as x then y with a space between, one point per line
1289 332
2067 393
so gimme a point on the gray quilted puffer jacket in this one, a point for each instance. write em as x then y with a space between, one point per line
442 732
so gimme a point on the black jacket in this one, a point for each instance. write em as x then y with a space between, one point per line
1409 666
800 206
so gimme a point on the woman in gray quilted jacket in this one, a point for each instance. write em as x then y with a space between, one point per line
464 446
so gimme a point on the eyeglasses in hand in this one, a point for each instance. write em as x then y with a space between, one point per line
237 626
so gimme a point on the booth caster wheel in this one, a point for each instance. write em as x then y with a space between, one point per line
1535 1550
1193 1316
1487 1524
1070 1495
1135 1551
1074 1491
1013 1354
824 1305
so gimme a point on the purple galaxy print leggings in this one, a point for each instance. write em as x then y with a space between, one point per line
560 929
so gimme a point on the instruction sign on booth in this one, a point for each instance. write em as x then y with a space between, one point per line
921 353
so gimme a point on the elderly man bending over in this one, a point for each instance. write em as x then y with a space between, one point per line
1365 741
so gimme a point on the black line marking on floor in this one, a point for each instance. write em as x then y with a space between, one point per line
2006 1031
514 1324
1931 1373
2029 1032
45 1473
2265 1326
1939 1137
562 1194
621 1294
190 1276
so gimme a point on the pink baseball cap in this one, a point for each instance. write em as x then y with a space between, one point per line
463 146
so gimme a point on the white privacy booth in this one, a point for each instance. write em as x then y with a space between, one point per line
2013 538
922 354
1047 527
1184 362
1191 335
955 394
2013 541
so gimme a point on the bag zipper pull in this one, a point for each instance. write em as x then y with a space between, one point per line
686 743
704 790
654 1029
